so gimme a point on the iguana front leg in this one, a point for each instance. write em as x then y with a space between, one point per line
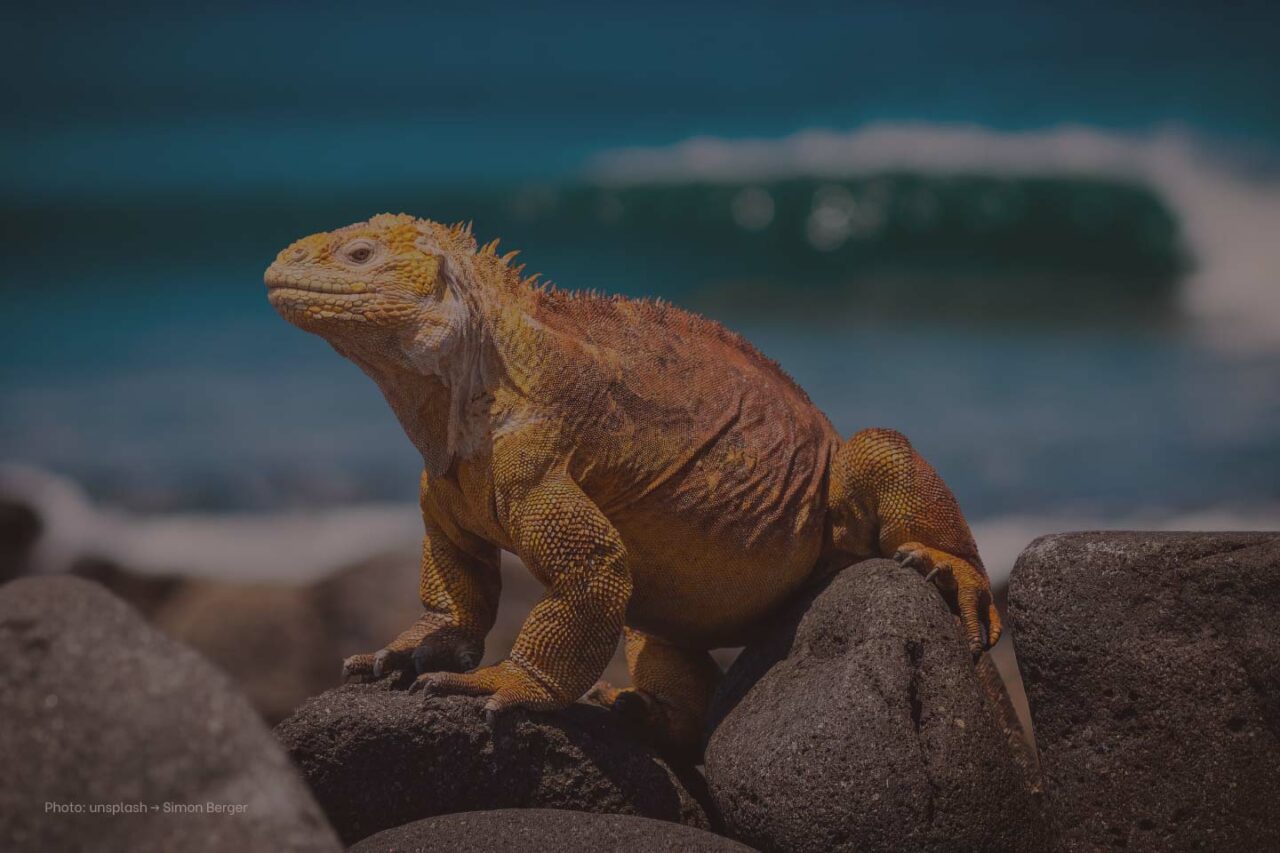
459 591
887 500
571 633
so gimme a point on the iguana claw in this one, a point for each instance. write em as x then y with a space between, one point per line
506 684
964 584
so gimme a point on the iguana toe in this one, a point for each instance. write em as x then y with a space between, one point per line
630 707
966 587
602 693
671 733
374 666
357 665
507 684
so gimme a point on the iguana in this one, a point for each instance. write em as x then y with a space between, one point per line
658 475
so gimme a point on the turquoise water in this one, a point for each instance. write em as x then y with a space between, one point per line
194 394
1056 276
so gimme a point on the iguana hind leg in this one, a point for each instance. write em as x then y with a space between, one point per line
672 687
886 500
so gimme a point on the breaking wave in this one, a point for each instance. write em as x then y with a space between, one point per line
1154 208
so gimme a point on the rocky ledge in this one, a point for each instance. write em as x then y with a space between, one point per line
856 720
378 757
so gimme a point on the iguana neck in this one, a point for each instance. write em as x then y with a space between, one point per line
445 402
445 409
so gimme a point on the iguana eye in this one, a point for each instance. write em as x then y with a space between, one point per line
359 252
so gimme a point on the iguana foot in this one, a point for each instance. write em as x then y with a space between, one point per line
507 684
966 586
636 710
646 718
603 694
424 647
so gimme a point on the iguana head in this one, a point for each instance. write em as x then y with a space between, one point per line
392 286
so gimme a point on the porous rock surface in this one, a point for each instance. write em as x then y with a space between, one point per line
101 711
857 722
1152 664
523 830
378 757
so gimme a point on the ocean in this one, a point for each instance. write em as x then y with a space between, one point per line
1042 245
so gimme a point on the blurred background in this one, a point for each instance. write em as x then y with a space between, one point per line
1043 241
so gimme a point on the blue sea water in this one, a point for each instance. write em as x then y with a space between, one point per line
1034 239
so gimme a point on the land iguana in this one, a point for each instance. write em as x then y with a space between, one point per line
659 476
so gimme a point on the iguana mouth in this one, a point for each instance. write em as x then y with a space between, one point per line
280 284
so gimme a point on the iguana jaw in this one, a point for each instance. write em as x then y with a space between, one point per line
292 290
311 302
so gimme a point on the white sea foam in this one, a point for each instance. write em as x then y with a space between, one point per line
303 546
282 546
1231 220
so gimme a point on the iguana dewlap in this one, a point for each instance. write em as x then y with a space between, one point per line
653 470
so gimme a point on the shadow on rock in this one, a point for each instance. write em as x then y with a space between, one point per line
377 757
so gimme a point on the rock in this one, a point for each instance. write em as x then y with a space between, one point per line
280 642
20 528
1152 663
273 639
146 593
520 830
100 709
377 757
857 722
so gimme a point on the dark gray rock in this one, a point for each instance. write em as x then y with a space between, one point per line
281 643
99 708
522 830
20 529
856 722
377 757
1152 663
146 593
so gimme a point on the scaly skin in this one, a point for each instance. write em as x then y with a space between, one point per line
653 470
